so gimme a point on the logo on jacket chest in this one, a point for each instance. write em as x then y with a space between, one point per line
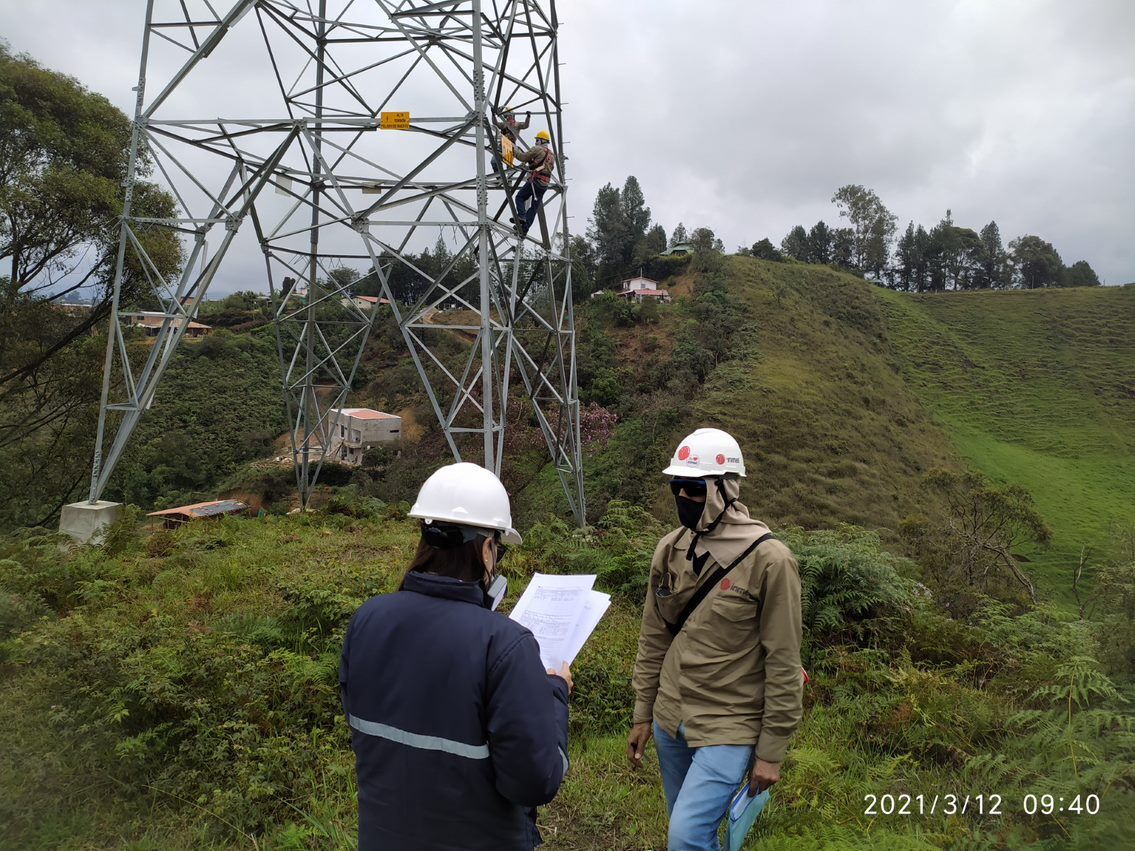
727 586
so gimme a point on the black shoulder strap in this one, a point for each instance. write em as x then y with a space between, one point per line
707 586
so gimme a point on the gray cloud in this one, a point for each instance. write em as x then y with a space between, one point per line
746 116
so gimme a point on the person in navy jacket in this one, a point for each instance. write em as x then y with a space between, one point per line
458 730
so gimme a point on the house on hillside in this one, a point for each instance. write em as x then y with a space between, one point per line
171 518
366 302
151 322
641 289
355 430
679 250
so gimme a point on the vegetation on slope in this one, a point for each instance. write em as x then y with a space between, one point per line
832 433
1036 389
217 407
178 690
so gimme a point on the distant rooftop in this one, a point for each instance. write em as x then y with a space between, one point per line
203 509
365 414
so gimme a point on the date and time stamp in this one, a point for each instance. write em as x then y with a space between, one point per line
950 804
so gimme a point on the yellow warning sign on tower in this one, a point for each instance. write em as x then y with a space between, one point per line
394 120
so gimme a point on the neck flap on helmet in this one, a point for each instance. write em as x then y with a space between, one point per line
727 503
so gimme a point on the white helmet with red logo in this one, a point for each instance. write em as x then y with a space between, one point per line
706 452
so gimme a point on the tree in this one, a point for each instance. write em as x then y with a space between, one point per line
843 248
873 226
704 241
976 547
64 154
63 161
1080 274
1035 262
635 212
967 272
994 265
618 230
765 250
582 269
651 245
342 277
953 255
608 232
922 248
679 235
795 244
820 244
906 259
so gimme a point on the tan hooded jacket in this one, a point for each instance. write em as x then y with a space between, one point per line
732 675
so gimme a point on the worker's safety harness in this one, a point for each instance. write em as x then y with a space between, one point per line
543 172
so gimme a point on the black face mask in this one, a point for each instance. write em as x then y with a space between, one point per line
689 512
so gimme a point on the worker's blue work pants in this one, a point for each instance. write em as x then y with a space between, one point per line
699 783
533 191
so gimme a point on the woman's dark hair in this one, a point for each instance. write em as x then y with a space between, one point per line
442 551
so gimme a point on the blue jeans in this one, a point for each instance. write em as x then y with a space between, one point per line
528 202
699 783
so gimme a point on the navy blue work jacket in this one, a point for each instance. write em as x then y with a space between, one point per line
457 729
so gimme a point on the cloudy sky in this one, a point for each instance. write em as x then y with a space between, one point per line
746 115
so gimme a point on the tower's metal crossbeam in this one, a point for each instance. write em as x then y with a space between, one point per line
375 130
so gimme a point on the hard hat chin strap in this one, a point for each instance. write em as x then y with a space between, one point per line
445 536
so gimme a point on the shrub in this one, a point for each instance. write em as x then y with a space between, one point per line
974 552
350 502
852 590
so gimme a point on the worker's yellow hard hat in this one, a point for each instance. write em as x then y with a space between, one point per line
543 135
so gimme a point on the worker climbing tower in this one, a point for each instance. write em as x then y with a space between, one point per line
341 138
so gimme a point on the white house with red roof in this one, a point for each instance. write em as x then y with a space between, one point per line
354 430
366 302
641 289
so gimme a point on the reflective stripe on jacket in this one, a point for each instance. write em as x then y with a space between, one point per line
732 675
458 732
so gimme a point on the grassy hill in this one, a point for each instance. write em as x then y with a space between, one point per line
844 395
1036 388
178 691
833 433
808 384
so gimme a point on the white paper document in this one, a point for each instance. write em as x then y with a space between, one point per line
593 610
561 611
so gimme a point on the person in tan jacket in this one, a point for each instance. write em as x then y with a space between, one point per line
717 679
541 161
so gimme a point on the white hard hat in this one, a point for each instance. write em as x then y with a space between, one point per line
706 452
467 495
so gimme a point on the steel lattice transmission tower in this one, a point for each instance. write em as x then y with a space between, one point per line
320 171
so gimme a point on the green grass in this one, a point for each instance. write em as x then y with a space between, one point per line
844 395
1036 388
179 692
831 431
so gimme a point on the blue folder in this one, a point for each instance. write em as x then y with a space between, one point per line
743 811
